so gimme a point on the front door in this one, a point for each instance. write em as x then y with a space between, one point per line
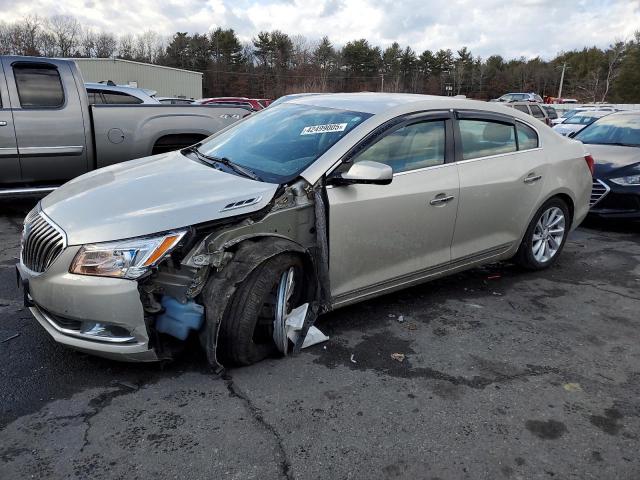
502 169
48 119
387 235
9 162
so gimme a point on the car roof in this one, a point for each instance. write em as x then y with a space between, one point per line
376 103
117 88
592 113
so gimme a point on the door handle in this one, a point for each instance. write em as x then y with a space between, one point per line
3 123
441 200
532 178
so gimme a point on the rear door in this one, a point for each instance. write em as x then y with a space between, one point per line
386 235
48 120
9 162
502 168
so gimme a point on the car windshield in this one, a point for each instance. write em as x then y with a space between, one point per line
613 130
279 142
580 119
569 113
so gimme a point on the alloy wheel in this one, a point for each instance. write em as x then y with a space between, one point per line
548 234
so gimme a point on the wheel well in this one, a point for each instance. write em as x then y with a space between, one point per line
566 199
175 141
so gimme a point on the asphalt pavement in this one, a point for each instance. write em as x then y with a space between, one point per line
493 373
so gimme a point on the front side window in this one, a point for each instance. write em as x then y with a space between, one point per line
119 98
527 137
39 86
411 147
482 138
278 143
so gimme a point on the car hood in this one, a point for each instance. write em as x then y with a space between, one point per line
613 159
566 128
150 195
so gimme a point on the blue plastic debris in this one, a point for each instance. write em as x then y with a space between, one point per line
179 318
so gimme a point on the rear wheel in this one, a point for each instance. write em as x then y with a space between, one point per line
259 306
545 237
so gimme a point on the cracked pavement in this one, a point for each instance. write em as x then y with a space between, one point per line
506 374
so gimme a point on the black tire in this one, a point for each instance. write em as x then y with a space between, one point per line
524 257
246 336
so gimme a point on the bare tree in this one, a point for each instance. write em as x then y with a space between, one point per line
106 45
614 59
66 30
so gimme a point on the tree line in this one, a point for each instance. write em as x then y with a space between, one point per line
275 63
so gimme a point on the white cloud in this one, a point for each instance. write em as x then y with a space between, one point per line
519 28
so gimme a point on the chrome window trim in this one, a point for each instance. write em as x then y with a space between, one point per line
431 167
517 152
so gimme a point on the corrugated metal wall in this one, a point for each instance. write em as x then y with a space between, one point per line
168 82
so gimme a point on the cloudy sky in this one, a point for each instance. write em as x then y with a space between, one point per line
510 28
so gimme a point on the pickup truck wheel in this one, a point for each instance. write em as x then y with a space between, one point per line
545 237
246 331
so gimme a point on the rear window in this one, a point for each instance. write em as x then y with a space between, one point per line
522 108
551 112
536 111
39 86
482 138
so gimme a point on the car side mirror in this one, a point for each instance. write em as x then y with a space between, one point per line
365 172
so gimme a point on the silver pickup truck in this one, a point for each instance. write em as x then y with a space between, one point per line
49 133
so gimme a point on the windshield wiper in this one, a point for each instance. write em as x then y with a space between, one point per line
209 159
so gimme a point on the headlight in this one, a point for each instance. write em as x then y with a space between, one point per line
626 181
124 258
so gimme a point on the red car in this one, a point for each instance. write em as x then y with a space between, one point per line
254 103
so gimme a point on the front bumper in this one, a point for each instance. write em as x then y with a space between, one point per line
618 202
62 301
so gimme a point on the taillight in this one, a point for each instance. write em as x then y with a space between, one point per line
589 160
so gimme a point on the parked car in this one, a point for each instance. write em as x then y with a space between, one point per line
314 204
100 93
577 122
254 103
551 112
519 97
536 110
175 100
291 96
51 133
614 143
584 108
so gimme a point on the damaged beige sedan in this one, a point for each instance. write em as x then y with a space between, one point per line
310 205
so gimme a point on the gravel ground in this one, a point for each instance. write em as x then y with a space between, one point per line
506 374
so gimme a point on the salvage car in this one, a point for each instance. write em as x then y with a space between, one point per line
310 205
614 143
50 132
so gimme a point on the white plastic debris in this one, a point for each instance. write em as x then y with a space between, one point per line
294 322
353 360
401 319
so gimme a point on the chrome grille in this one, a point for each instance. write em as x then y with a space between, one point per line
42 242
598 191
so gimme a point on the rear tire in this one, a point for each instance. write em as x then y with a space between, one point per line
545 237
246 331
